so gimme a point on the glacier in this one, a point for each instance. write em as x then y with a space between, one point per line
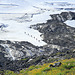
20 14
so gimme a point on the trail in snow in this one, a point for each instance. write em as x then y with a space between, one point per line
16 30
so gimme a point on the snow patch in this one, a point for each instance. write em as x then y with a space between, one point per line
70 23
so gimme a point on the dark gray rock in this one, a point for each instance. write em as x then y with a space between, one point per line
63 16
55 64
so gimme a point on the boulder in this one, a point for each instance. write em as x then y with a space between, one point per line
55 64
63 16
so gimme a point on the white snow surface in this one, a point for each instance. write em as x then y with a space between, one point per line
20 14
70 23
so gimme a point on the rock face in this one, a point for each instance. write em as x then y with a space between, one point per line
59 37
63 16
59 34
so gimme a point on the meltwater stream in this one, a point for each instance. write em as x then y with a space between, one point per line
9 51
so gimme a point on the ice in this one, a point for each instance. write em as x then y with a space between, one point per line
21 32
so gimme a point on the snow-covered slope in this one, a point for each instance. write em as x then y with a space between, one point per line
20 14
70 23
22 6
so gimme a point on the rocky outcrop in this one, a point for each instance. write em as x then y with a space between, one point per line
19 50
55 64
56 32
59 34
63 16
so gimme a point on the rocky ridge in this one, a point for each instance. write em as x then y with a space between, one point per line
60 39
56 32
